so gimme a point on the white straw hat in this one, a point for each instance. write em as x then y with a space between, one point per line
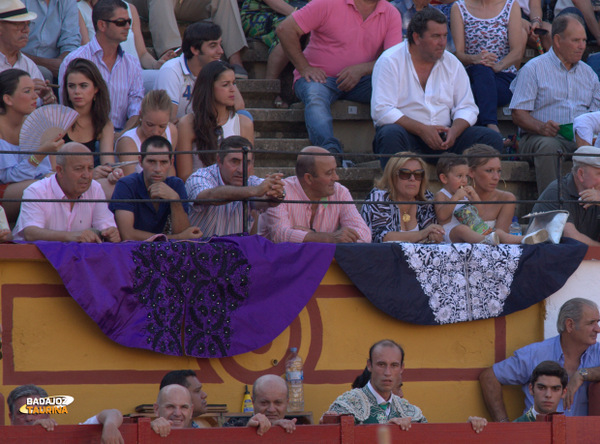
15 11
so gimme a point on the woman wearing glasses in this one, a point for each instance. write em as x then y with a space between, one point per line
403 180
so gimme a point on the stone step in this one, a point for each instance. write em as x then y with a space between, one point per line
255 59
285 151
258 93
351 124
278 123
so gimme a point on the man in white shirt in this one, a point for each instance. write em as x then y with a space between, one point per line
67 221
422 99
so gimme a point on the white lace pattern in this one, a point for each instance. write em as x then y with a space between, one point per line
464 282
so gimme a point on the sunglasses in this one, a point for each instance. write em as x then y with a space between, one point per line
404 174
121 23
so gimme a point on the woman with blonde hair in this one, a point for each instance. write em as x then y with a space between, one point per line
485 171
155 114
404 180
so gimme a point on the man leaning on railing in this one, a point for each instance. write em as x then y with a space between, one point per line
316 182
67 221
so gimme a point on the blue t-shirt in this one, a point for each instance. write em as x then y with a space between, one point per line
518 368
146 218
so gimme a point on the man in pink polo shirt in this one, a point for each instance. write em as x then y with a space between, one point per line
346 37
316 180
67 221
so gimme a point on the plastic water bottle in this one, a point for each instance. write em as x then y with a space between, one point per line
515 227
294 377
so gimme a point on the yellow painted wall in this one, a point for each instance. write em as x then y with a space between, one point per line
53 334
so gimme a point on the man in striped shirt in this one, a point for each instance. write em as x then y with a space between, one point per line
316 180
219 191
549 92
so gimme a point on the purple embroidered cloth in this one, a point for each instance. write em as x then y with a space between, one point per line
224 297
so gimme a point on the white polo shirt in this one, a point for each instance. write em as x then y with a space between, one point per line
177 80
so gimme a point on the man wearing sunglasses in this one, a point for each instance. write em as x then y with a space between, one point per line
422 99
121 72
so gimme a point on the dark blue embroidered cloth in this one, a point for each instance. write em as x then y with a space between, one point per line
438 284
223 297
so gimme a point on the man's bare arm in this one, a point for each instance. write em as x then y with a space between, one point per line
572 232
492 395
32 233
271 187
524 120
111 420
289 34
587 10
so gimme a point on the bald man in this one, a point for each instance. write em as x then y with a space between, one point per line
270 399
173 409
316 180
67 221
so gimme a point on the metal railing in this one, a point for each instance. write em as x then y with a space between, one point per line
561 158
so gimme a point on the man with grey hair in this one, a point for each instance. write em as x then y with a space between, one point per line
549 92
18 398
110 419
581 185
575 349
67 221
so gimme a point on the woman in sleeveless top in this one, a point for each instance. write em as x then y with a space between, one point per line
17 171
154 121
490 42
86 92
213 119
404 179
485 172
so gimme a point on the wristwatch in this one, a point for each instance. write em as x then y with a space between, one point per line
584 373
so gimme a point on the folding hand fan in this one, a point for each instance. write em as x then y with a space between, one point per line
44 124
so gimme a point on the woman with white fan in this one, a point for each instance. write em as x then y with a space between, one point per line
17 171
86 92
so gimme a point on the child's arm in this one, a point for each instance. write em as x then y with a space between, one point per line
444 212
471 193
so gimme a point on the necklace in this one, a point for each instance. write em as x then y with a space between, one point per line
405 217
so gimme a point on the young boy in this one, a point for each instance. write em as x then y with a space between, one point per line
453 173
